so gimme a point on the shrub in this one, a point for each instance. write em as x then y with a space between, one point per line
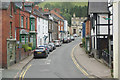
29 48
26 47
30 44
83 41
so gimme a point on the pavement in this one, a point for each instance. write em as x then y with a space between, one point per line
91 65
15 69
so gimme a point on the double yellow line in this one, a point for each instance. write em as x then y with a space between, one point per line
77 65
24 72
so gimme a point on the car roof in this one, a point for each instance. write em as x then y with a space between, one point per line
56 40
40 47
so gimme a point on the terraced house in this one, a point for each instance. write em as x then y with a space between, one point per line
25 23
60 21
8 34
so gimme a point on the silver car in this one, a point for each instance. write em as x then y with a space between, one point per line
57 43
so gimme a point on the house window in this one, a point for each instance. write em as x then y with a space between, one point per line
52 26
26 23
74 23
26 39
11 9
10 28
59 27
31 38
32 24
22 22
15 33
23 39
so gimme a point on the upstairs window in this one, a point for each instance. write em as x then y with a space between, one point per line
11 9
10 28
22 21
26 23
32 28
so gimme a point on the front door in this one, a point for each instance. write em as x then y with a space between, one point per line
33 40
74 31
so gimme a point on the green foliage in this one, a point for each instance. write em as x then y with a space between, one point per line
26 47
29 48
83 42
30 44
106 50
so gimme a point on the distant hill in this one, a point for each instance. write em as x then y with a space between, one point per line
59 3
67 8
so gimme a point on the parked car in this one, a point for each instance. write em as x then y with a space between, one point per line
68 38
40 52
72 38
65 40
75 35
46 47
50 47
57 43
61 41
53 45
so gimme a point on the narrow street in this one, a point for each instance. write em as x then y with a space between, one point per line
58 64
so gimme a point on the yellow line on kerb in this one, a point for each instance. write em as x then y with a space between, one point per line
24 72
78 66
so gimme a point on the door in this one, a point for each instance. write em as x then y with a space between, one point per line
74 31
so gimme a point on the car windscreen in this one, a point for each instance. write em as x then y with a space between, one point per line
39 49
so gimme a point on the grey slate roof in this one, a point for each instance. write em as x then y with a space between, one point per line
5 5
38 13
29 9
18 4
98 7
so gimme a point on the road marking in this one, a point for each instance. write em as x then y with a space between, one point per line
21 75
78 66
24 72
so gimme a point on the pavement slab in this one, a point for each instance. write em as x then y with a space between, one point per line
91 65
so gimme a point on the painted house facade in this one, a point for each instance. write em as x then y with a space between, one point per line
50 24
65 28
101 30
42 28
60 20
55 30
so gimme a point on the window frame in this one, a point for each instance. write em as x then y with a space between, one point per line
22 22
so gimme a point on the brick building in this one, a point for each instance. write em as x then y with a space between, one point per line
8 33
25 23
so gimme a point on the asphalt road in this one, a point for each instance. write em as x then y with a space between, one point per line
58 64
